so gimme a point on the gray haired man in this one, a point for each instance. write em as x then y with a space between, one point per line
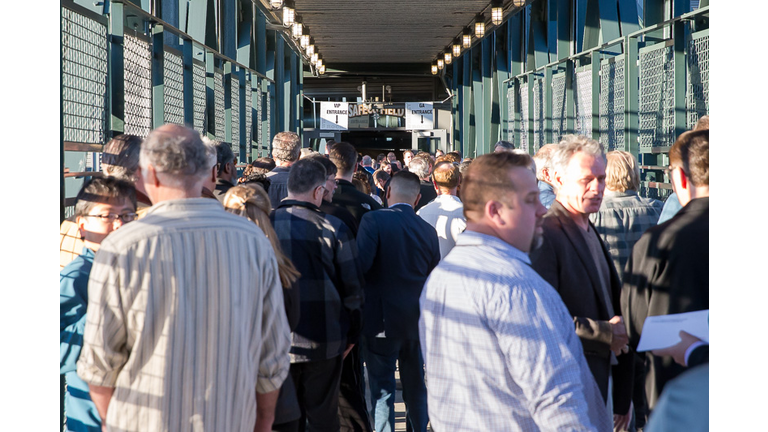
185 315
286 149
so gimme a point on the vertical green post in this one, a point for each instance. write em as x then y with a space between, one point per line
244 132
486 54
228 102
468 136
631 96
529 83
279 99
570 100
116 70
680 78
189 82
158 76
547 95
210 95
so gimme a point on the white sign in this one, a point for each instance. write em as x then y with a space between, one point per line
419 116
334 115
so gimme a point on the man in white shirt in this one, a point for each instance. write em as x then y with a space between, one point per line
498 342
446 212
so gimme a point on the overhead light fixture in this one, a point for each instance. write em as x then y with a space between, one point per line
314 58
275 4
321 70
497 13
434 68
480 26
319 63
440 63
289 13
304 41
518 3
466 39
456 48
311 49
448 57
298 29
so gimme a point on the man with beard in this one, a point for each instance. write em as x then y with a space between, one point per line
574 260
520 366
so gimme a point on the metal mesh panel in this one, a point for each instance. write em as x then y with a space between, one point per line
697 98
657 98
559 116
84 78
538 113
218 90
511 114
584 103
248 117
198 90
259 115
173 93
612 105
524 115
235 111
268 108
138 86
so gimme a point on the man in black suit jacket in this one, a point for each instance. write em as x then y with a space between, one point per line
397 250
344 156
573 259
668 271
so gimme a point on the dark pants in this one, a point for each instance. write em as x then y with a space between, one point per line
353 414
317 389
381 355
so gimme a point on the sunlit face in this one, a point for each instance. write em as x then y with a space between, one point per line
387 168
330 186
407 158
94 229
583 183
391 157
522 212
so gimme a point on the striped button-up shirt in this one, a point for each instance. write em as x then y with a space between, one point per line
185 320
499 346
624 217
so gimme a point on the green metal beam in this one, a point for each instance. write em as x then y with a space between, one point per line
630 21
680 77
210 95
486 56
158 69
116 70
228 71
529 85
279 84
244 132
189 87
564 28
539 50
547 105
631 97
467 121
591 25
570 99
260 35
501 73
245 35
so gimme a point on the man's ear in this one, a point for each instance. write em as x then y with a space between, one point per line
389 193
214 174
418 198
434 183
492 210
151 177
557 179
80 221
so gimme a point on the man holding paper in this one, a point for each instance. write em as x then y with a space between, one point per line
668 271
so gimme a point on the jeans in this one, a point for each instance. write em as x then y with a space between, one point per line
381 355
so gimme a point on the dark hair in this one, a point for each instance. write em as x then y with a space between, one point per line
405 184
330 167
257 178
224 155
305 175
344 155
691 153
487 178
120 157
381 175
503 145
104 190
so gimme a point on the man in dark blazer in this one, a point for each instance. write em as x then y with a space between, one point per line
397 250
668 271
573 259
344 156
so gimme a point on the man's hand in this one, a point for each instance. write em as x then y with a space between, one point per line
678 351
346 351
621 422
619 340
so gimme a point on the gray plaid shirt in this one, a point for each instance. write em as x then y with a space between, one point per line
624 217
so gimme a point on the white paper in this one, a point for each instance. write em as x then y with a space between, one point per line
664 330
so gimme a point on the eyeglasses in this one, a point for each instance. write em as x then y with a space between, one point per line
111 218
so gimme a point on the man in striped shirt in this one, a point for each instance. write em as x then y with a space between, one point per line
498 342
186 328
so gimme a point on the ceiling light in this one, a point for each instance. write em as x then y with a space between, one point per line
518 3
276 4
321 70
480 26
314 58
440 63
298 30
304 40
466 39
310 50
497 13
434 68
289 14
456 48
448 57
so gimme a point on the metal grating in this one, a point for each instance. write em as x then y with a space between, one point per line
524 115
584 103
234 83
657 98
612 105
138 86
268 108
198 94
538 113
248 119
511 112
84 78
259 115
173 93
218 90
559 116
697 97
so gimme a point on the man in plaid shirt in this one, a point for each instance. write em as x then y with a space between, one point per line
623 216
322 248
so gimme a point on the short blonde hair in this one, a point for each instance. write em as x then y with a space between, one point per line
621 172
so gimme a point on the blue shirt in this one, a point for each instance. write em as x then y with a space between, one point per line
546 194
671 207
499 346
73 283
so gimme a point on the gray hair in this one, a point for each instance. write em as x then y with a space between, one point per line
180 153
367 161
503 146
570 145
531 164
224 155
120 157
420 167
543 159
210 147
286 147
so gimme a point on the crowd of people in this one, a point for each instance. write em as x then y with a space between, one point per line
509 292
